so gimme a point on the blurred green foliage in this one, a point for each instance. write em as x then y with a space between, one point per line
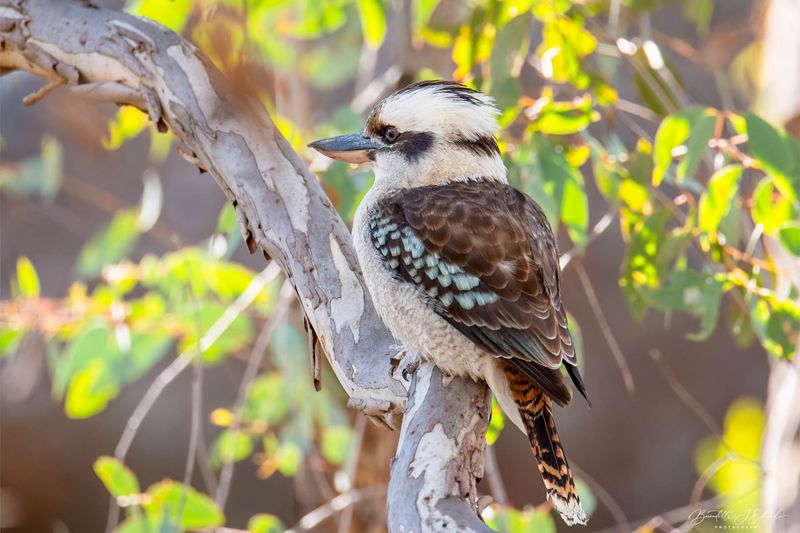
731 462
704 198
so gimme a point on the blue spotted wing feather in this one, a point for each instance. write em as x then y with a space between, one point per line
485 257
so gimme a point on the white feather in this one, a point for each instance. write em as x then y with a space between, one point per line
430 108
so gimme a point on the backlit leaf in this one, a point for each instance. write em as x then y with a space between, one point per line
168 497
423 9
373 22
27 279
790 237
697 144
769 146
126 124
230 447
90 389
171 13
336 441
716 201
110 244
770 208
118 478
264 523
495 424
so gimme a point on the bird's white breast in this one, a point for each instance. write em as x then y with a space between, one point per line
406 313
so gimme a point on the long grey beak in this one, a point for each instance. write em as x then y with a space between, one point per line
352 148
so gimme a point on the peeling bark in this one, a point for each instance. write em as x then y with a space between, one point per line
114 57
440 456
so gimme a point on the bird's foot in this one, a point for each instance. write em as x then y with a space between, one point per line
404 363
381 412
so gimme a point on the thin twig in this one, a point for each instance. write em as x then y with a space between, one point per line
604 496
40 93
253 365
679 514
684 395
597 309
493 476
705 477
637 110
348 472
194 433
339 503
203 463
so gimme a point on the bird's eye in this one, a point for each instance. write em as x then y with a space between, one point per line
391 134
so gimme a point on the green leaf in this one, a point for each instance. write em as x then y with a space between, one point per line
373 22
146 350
717 200
266 401
226 220
511 41
555 184
790 237
27 279
496 423
9 340
264 523
118 478
737 480
288 456
168 497
695 124
38 175
137 524
128 123
110 244
697 145
198 321
171 13
694 292
575 210
564 42
90 390
231 446
514 521
92 341
770 208
586 496
563 118
769 146
423 9
336 442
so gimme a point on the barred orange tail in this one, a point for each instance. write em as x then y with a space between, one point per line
535 409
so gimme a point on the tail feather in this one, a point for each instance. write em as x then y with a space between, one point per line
535 408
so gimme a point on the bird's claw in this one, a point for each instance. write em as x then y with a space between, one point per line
381 412
404 363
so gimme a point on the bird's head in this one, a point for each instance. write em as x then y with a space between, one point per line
428 133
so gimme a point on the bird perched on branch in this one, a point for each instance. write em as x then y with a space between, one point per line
462 268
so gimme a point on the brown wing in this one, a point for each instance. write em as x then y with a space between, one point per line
485 256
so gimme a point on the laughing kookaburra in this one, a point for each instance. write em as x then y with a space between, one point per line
463 269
